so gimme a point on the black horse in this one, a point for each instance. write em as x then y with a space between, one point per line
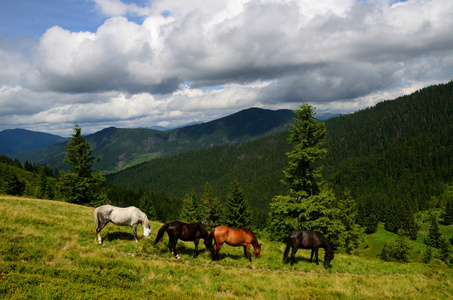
185 232
308 240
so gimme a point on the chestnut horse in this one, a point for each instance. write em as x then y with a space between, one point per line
185 232
308 240
233 237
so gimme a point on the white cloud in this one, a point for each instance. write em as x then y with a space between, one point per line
338 54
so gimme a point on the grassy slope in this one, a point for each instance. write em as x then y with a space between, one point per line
48 251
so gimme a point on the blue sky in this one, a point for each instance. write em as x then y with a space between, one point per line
31 18
104 63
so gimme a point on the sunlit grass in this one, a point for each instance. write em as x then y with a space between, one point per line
48 251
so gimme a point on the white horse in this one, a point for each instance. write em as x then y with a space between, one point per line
128 216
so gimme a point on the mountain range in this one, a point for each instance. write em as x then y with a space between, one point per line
15 141
120 148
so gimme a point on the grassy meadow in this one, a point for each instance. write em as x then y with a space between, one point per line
48 251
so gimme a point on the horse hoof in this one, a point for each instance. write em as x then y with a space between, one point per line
177 256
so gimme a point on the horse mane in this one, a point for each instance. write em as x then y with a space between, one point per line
255 240
327 247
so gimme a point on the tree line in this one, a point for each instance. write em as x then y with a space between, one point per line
353 199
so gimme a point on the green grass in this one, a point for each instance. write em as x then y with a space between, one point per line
48 251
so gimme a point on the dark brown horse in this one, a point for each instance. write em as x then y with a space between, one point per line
185 232
308 240
233 237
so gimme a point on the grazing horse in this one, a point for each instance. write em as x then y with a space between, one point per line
185 232
308 240
128 216
233 237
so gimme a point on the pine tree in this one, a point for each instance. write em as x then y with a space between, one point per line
397 250
13 185
348 214
434 235
448 215
307 206
189 212
146 206
83 184
211 210
307 136
238 213
445 251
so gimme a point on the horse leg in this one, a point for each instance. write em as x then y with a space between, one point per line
217 250
98 231
134 230
293 254
174 248
314 251
247 252
196 247
172 244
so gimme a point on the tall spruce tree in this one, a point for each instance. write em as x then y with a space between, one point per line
189 212
448 215
147 206
211 210
348 214
237 214
434 235
307 206
307 135
82 184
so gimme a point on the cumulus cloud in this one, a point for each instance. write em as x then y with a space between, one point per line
342 54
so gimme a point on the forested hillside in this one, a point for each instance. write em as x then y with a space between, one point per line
257 165
29 179
396 155
120 148
14 141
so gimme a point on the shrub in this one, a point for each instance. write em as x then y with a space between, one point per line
397 250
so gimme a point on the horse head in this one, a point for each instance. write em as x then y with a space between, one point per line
147 229
328 258
257 249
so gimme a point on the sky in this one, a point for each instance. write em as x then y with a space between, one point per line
144 63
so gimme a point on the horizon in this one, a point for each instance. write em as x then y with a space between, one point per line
161 128
144 63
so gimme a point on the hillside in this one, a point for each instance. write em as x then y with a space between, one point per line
48 251
14 141
399 150
257 165
120 148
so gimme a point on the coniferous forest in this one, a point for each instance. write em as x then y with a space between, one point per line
393 160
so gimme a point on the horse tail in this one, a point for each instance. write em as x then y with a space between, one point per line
161 232
96 220
210 239
288 246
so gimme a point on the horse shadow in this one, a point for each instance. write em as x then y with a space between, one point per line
185 248
298 258
111 236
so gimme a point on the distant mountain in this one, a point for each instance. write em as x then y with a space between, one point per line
120 148
326 116
162 128
14 141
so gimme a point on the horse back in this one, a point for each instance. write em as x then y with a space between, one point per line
233 237
125 215
307 239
